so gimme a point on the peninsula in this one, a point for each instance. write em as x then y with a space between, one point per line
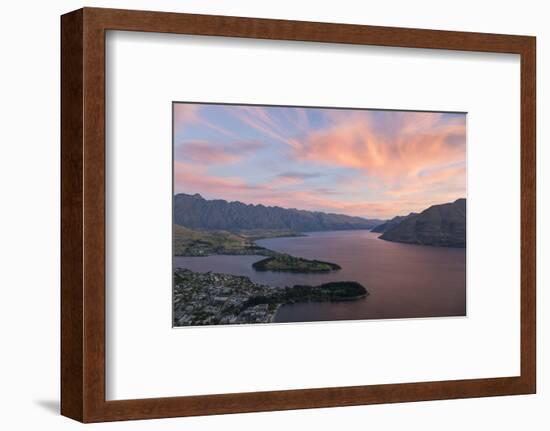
212 298
191 242
441 225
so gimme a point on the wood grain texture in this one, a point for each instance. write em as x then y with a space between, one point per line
528 216
83 214
72 305
94 216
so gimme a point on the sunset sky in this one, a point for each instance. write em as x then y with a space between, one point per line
375 164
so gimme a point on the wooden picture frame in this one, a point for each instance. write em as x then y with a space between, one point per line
83 214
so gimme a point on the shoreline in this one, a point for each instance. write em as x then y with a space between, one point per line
217 298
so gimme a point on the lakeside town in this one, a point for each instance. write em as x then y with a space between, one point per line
212 298
217 299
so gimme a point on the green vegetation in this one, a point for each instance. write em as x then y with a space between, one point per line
287 263
211 298
189 242
254 234
332 292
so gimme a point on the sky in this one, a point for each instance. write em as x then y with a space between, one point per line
368 163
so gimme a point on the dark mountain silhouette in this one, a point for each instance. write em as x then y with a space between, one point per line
381 228
440 225
195 212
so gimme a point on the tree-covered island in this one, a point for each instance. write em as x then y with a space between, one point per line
287 263
194 242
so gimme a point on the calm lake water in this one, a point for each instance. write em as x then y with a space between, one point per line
403 280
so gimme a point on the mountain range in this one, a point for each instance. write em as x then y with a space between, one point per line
195 212
439 225
381 228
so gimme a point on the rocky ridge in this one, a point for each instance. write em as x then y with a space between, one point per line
440 225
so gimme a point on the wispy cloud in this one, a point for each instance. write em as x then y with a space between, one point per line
184 113
375 163
355 142
215 153
299 175
260 119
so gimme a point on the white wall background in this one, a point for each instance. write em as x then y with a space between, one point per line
29 216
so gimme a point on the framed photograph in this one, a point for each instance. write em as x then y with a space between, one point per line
266 215
298 214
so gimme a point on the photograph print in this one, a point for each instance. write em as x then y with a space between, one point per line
308 214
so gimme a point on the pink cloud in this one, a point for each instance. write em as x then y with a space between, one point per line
184 113
354 142
189 178
187 114
204 152
399 164
211 153
443 180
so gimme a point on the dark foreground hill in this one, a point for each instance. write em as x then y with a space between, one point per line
381 228
195 212
440 225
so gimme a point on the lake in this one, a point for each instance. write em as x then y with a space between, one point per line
403 280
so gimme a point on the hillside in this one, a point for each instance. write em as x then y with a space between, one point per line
188 242
381 228
440 225
195 212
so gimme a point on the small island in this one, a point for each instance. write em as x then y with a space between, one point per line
287 263
196 243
